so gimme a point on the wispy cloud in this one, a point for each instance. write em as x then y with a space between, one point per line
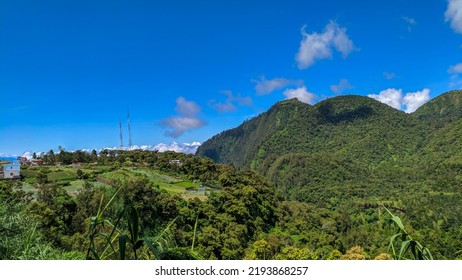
20 108
394 98
185 120
341 87
318 46
410 22
264 86
231 102
389 76
455 82
454 15
455 69
301 94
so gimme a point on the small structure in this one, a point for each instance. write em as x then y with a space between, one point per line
176 162
12 171
23 161
36 162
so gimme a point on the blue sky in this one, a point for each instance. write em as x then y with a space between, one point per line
69 70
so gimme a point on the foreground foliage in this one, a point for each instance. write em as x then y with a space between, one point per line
302 183
245 217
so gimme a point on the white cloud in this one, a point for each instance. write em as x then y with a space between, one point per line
187 148
341 87
454 15
231 101
186 120
264 86
180 125
394 98
455 69
28 155
315 46
391 97
413 100
301 94
186 108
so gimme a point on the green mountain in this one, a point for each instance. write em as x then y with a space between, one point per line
442 109
241 144
441 119
355 128
344 143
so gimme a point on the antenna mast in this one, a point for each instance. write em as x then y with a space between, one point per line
129 130
121 137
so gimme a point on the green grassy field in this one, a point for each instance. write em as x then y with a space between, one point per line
67 177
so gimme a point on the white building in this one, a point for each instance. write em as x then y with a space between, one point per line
12 170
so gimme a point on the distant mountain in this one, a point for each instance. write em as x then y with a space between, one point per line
10 159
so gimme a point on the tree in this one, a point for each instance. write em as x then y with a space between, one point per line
42 177
94 156
51 157
355 253
55 209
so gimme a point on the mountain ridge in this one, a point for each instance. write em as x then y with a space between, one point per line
299 146
298 127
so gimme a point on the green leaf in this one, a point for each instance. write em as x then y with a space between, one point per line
134 222
415 250
152 249
122 246
426 254
404 247
392 239
398 222
138 244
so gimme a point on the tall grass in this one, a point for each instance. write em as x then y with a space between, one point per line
403 245
123 240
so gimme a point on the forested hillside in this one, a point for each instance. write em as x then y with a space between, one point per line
354 127
339 180
343 138
352 149
150 205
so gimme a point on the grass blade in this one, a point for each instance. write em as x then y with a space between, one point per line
122 246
